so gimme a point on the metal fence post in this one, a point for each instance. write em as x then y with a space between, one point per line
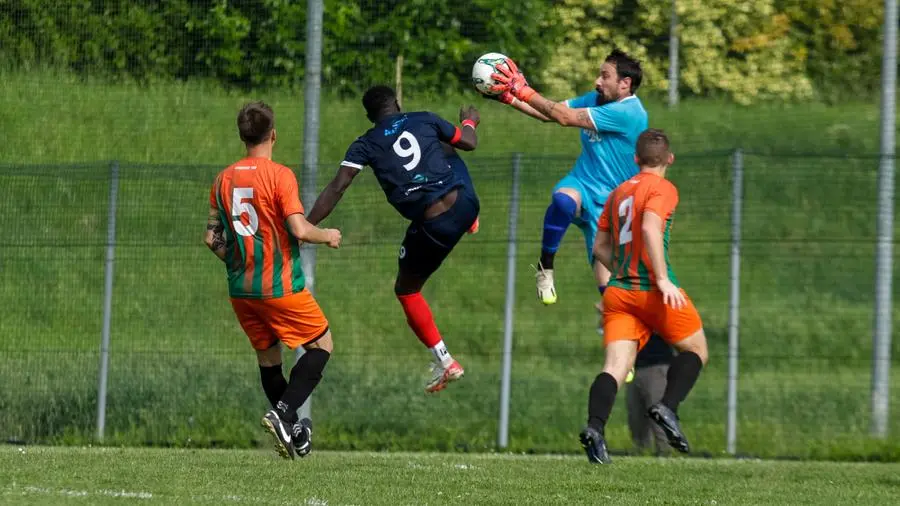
107 297
313 85
673 55
506 368
734 312
881 339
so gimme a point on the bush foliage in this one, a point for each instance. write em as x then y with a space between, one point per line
768 49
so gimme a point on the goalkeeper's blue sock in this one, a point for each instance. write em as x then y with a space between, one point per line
557 219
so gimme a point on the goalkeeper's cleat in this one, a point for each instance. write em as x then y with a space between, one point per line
474 228
594 445
302 437
545 289
668 422
630 377
281 434
441 375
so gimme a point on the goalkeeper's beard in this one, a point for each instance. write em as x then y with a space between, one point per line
602 99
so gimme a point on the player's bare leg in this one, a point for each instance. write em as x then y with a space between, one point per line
682 375
601 276
619 360
445 368
565 205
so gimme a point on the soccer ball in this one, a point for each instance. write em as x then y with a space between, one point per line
486 65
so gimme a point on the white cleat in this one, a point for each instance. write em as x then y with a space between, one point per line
545 289
440 376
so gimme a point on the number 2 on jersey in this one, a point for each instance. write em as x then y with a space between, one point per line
239 207
626 210
412 150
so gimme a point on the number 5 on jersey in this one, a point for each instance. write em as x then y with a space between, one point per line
412 150
239 207
626 211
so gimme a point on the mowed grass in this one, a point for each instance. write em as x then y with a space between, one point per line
42 475
182 374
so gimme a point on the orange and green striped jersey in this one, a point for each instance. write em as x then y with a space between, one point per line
253 198
631 267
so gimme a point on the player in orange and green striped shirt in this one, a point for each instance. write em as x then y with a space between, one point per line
255 226
643 296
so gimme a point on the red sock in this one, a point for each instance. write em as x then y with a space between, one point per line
419 318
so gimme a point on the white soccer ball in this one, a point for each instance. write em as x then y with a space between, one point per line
486 65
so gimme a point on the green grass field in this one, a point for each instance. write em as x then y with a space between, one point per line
182 373
40 475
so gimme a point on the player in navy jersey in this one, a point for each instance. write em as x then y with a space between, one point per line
428 186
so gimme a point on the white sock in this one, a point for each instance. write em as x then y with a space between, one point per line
441 355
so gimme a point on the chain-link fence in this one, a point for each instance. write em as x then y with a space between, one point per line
182 373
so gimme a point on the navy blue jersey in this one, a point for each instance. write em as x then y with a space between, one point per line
405 153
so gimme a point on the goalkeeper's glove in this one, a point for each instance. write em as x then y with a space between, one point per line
512 80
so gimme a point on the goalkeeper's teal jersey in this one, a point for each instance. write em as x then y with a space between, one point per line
607 151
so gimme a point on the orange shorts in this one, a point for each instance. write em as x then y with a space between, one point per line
633 315
294 320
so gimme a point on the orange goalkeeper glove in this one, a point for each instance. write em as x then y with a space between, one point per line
512 80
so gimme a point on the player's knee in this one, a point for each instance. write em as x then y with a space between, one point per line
401 288
564 204
324 343
695 344
618 371
618 365
407 283
270 356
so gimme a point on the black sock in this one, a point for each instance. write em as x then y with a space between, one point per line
683 373
273 384
547 259
304 377
600 402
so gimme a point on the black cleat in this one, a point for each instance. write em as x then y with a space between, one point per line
594 446
281 434
302 437
668 422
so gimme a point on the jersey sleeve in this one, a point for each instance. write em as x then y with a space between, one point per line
287 193
447 132
589 99
214 193
613 117
603 222
662 200
357 155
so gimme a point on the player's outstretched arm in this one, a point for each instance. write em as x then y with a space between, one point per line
507 98
651 230
332 194
526 109
215 234
305 231
514 82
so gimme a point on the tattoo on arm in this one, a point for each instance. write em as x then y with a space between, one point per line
218 240
545 106
583 117
217 229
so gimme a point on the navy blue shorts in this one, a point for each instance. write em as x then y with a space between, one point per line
427 243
